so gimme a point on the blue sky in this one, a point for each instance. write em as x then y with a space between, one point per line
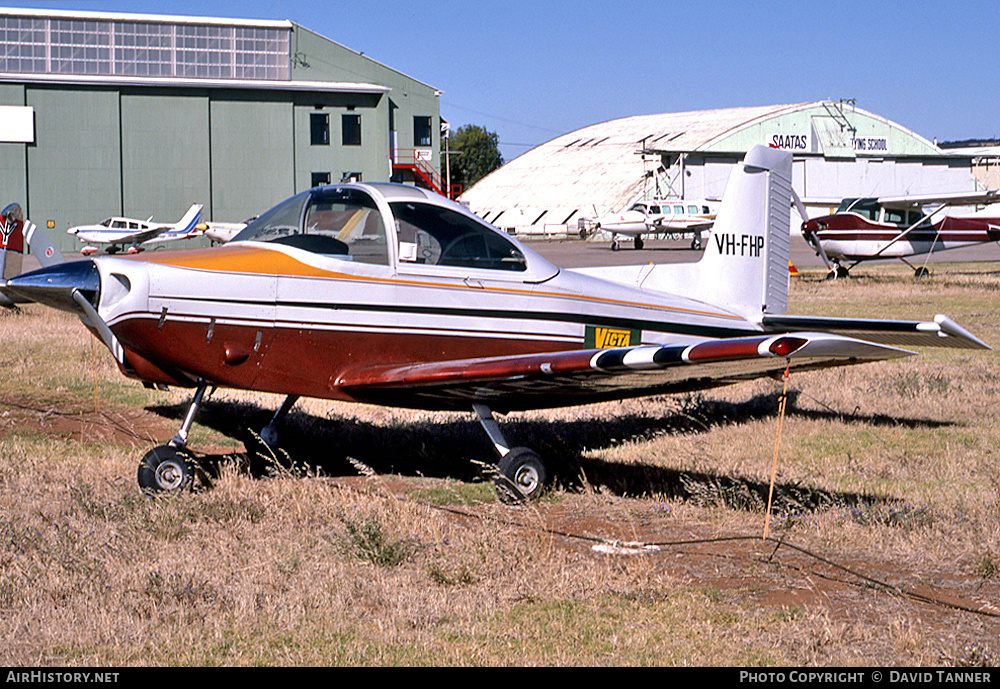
531 71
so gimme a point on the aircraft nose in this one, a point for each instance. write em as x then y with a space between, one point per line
55 285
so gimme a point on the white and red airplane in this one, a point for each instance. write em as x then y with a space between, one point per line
392 295
119 233
17 234
866 229
675 217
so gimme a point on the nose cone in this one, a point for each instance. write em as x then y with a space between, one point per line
54 286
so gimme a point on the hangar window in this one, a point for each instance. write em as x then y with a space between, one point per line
67 45
422 135
319 129
351 130
433 235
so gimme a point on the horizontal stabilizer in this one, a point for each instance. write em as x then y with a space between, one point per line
941 332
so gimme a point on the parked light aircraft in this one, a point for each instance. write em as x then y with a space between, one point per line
865 229
392 295
676 217
222 232
15 234
120 233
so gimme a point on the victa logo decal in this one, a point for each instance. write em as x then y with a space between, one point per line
605 338
739 245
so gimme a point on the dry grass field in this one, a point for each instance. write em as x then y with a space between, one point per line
385 545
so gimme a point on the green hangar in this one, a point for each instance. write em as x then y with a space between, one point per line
143 115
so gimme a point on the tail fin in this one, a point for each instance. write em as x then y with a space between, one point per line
187 224
744 268
745 264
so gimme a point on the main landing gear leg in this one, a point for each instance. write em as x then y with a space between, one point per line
522 475
169 468
269 433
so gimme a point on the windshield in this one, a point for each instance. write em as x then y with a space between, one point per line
334 221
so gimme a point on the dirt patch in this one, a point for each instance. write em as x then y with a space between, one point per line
128 427
742 565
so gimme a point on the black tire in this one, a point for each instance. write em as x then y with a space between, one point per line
921 272
695 244
523 476
614 245
165 469
838 272
639 243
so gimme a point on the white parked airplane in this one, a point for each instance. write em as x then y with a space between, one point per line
672 216
120 233
222 232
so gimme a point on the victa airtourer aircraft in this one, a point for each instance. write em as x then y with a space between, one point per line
392 295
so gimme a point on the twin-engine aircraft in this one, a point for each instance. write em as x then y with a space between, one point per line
643 217
131 235
866 229
392 295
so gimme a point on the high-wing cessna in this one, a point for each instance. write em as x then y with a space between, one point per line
392 295
677 217
866 229
120 233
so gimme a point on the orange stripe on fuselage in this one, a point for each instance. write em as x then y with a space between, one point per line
258 261
237 259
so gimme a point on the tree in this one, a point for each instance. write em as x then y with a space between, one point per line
474 153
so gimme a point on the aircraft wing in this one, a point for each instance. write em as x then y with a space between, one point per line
980 198
140 237
572 377
941 332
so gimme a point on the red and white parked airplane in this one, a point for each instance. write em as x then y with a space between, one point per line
866 229
392 295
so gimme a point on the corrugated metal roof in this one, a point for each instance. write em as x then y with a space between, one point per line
597 169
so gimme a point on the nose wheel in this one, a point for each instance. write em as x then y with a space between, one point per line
170 468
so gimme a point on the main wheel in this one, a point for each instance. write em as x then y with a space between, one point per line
522 476
921 272
638 243
165 469
614 245
695 244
